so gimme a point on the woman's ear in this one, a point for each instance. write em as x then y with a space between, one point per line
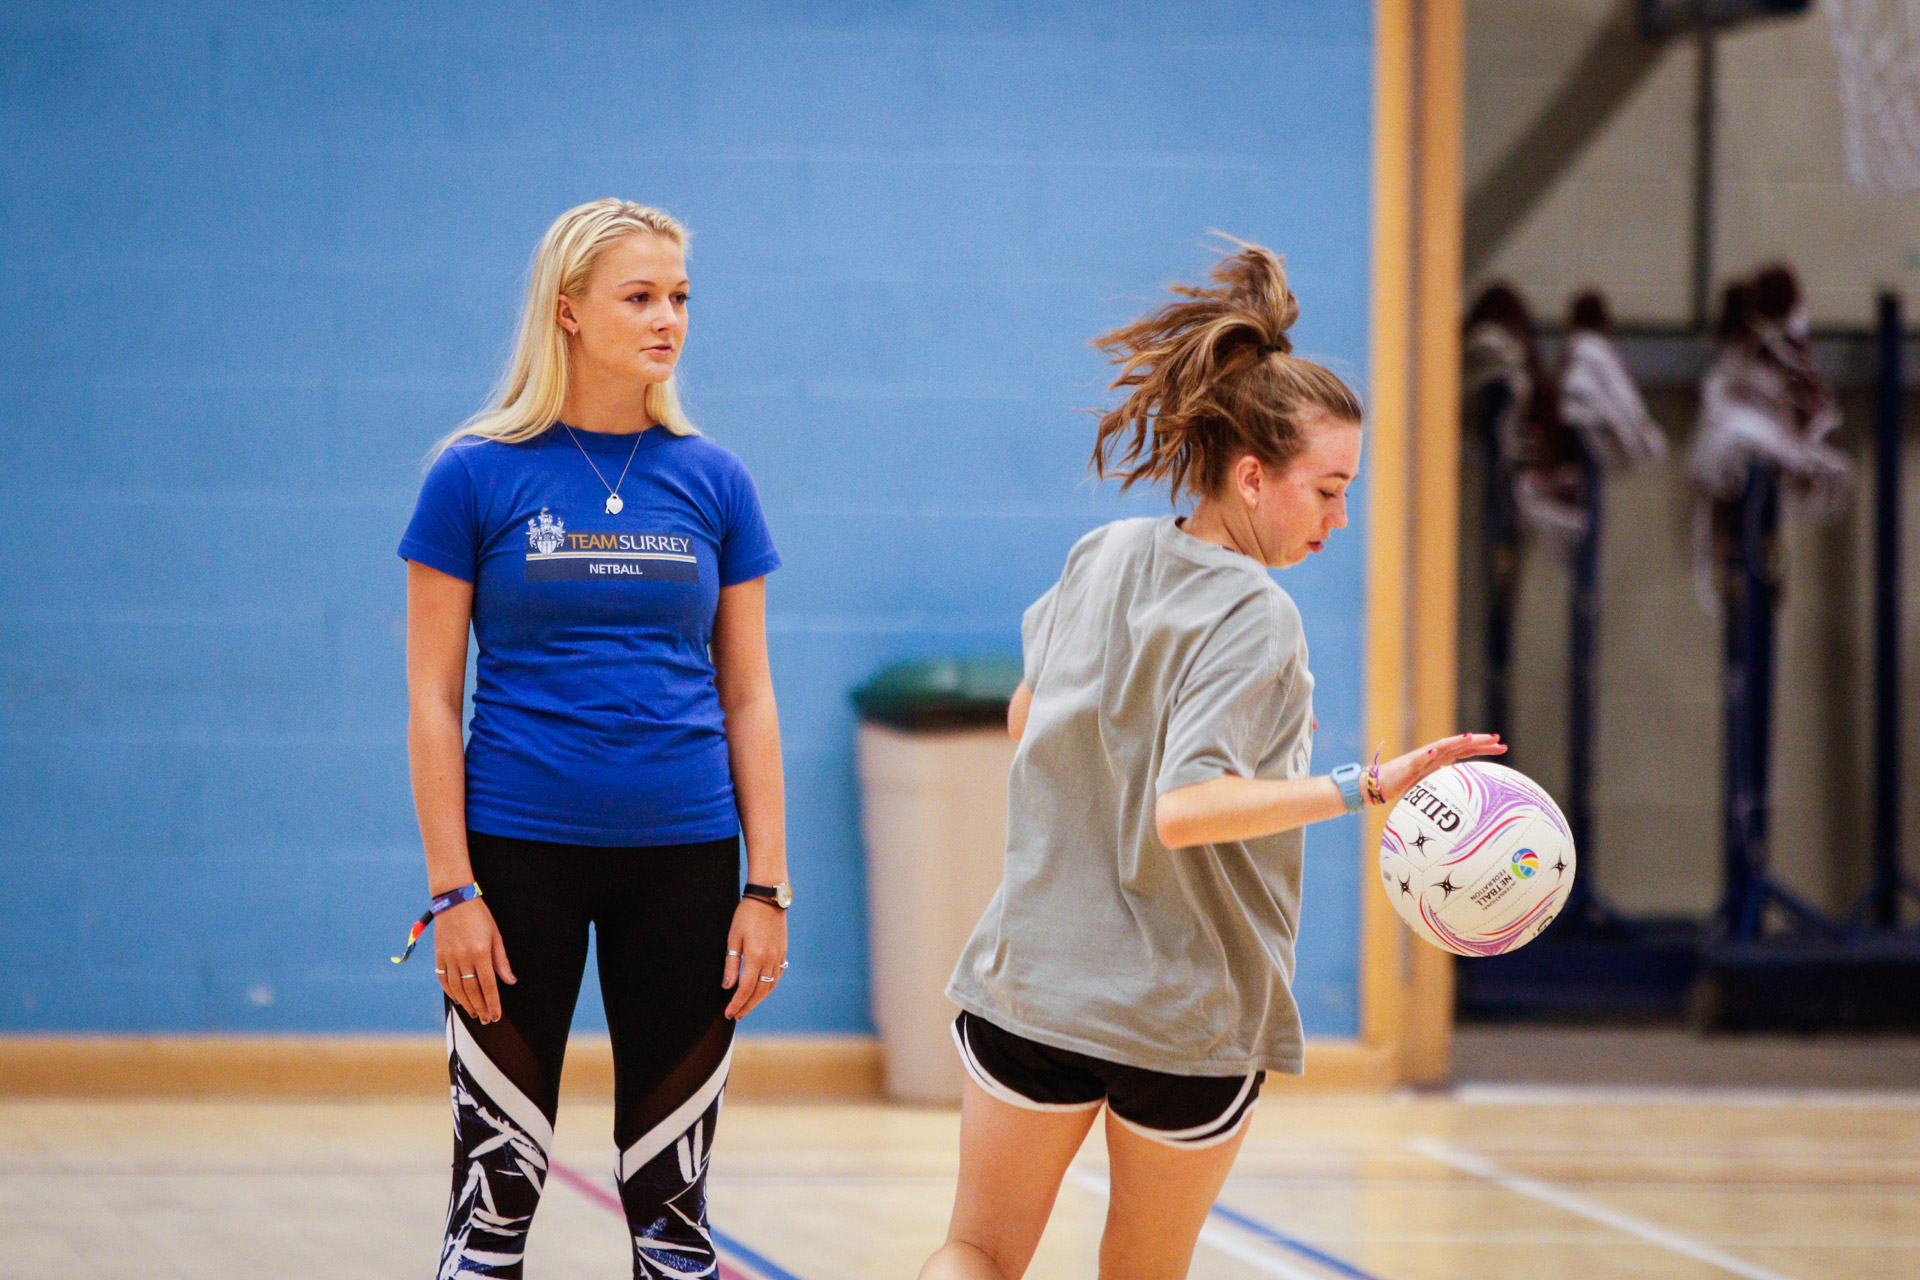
563 315
1249 478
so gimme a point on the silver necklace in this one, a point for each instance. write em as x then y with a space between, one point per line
613 490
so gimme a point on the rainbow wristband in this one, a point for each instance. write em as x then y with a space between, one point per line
1370 779
451 898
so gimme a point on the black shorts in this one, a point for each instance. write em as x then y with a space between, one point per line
1180 1111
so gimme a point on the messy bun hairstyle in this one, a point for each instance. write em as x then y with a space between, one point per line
1213 378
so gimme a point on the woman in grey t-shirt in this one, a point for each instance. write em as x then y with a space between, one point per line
1139 953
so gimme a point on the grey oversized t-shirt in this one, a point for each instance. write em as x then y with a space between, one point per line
1157 661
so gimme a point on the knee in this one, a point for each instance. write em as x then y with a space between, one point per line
964 1260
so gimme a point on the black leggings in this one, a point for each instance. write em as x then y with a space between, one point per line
660 915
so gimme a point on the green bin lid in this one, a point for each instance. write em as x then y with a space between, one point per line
940 693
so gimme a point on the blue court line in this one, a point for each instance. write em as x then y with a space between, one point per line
1255 1227
758 1261
610 1201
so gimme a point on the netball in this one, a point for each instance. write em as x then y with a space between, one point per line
1477 859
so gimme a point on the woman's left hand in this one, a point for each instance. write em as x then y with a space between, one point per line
756 954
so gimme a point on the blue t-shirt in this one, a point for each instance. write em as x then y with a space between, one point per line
595 716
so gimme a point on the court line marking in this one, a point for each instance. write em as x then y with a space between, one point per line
1543 1095
762 1268
758 1261
1254 1227
1866 1155
1221 1240
1592 1210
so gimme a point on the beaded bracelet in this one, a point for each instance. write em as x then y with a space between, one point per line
451 898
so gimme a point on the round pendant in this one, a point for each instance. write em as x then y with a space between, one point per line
614 504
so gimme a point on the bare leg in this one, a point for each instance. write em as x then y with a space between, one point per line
1159 1202
1011 1163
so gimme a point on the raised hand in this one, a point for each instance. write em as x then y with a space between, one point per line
1399 775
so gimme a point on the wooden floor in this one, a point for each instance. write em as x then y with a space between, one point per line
1490 1183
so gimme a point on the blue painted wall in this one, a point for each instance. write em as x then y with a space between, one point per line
255 259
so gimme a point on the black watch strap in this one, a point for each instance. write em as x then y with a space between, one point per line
775 895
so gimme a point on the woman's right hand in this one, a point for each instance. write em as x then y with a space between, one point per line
1400 774
471 959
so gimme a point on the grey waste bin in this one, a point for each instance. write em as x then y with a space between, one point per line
933 760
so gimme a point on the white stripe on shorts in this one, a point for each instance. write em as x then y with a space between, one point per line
1000 1091
1211 1134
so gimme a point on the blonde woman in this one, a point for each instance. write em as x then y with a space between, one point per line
610 562
1138 957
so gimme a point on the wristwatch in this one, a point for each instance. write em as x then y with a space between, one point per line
1347 778
777 895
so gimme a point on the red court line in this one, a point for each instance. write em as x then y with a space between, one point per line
610 1202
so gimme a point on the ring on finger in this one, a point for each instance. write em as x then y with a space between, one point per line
783 964
469 975
767 977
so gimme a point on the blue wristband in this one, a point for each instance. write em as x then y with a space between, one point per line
1347 778
465 893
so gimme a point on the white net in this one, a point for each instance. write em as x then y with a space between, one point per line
1877 43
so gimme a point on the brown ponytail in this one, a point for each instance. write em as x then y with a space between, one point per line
1212 379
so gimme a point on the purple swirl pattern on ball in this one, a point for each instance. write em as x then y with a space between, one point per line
1496 801
1492 944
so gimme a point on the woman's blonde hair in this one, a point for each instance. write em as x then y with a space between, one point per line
1211 379
528 399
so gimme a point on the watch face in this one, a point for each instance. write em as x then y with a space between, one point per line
783 895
